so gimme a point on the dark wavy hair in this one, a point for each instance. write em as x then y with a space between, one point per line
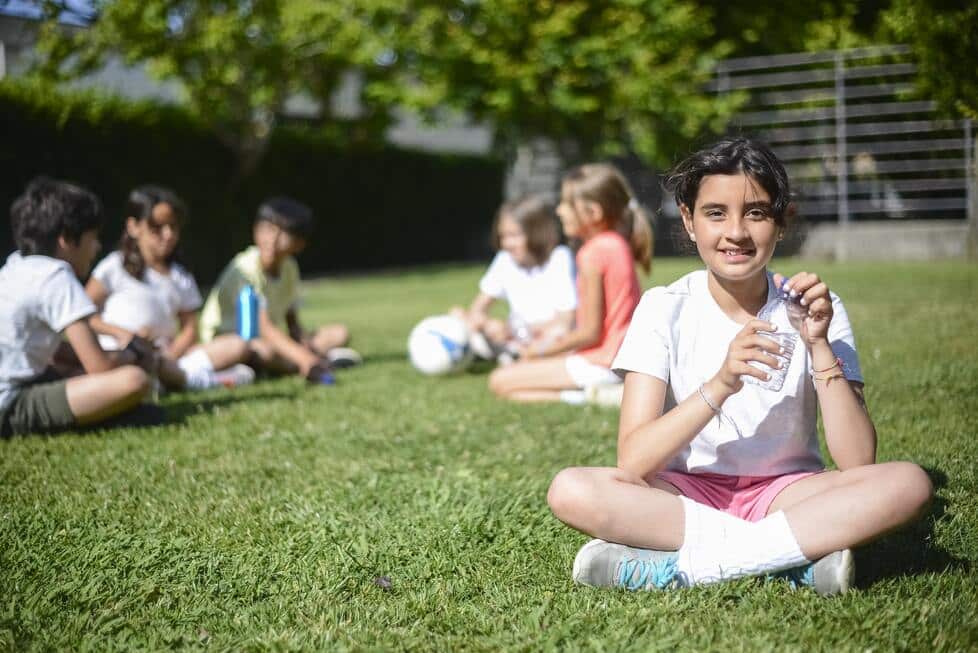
48 209
730 157
139 206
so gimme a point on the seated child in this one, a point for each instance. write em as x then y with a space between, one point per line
596 207
142 290
720 474
534 273
281 229
55 227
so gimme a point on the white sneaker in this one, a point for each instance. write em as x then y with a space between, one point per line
606 564
480 346
828 576
340 357
234 376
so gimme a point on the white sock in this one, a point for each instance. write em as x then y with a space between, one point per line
717 546
573 397
198 369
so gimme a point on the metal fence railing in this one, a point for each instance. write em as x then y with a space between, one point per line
855 147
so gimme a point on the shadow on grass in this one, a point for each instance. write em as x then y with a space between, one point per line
179 410
911 551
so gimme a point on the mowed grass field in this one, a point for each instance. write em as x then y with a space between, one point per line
262 519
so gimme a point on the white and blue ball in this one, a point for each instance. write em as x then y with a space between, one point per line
440 345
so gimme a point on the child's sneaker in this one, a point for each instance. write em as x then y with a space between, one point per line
831 575
234 376
605 564
342 357
480 346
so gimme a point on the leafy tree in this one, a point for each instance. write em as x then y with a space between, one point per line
944 37
608 75
238 62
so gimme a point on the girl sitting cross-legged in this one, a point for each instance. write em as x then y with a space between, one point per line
719 474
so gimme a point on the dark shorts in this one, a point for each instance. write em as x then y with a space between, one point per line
38 408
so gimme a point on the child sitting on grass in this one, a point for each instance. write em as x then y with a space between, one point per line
534 273
596 207
142 289
720 476
282 228
55 227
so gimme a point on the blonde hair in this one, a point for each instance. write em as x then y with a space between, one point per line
606 186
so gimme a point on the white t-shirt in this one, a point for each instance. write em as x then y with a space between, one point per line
153 302
39 297
536 294
680 335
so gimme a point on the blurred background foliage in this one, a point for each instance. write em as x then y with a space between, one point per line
595 77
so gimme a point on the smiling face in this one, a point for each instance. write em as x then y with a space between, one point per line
156 236
733 226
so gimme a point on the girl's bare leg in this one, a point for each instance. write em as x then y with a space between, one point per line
226 350
328 337
615 505
96 397
842 509
265 357
535 380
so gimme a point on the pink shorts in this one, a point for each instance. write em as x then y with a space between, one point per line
747 497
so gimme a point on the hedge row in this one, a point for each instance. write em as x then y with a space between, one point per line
375 206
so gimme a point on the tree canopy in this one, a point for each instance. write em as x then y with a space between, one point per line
608 75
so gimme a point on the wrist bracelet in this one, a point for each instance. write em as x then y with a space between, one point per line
836 363
829 377
709 403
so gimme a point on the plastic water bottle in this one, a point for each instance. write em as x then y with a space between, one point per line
787 314
248 313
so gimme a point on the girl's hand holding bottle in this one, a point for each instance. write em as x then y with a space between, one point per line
814 296
748 345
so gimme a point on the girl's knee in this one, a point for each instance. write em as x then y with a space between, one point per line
914 485
133 381
499 381
570 493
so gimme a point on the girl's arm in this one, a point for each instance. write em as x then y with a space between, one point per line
478 312
98 293
849 431
186 337
647 439
588 331
83 341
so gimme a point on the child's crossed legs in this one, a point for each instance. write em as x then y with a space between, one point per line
821 514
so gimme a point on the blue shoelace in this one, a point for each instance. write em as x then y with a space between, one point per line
798 576
660 573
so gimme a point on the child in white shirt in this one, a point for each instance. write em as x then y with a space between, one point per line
55 228
719 477
142 290
533 273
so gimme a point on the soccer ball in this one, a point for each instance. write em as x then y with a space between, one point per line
440 345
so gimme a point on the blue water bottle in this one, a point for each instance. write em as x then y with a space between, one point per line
248 313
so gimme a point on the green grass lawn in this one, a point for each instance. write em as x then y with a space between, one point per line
260 518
